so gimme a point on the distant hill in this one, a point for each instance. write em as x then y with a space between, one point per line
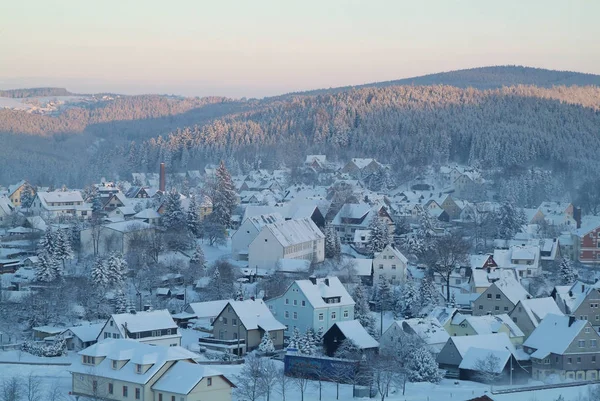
34 92
484 78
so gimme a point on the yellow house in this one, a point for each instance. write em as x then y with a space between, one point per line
467 325
128 370
14 192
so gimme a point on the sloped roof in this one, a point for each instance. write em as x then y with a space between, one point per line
363 267
261 220
182 377
255 314
498 341
6 205
292 232
474 355
443 314
87 332
512 289
60 196
538 308
316 292
208 309
362 163
128 226
554 335
428 329
144 321
351 211
353 330
147 214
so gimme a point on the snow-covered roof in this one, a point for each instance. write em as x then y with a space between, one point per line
324 288
13 188
134 353
362 267
144 321
207 309
489 324
554 335
255 314
292 232
362 163
538 308
147 214
588 223
37 222
512 289
391 248
49 329
497 341
87 332
321 159
428 329
60 196
353 330
351 211
128 226
182 377
474 355
261 220
443 314
6 205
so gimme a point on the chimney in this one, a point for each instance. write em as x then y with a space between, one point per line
313 279
571 320
327 281
577 216
162 183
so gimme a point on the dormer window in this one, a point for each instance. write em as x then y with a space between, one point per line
114 364
138 368
88 360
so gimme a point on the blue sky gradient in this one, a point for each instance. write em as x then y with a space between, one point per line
267 47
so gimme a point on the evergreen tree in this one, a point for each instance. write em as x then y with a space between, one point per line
116 269
173 218
97 203
120 301
62 248
379 235
48 242
384 294
509 221
567 272
194 224
428 296
100 274
295 340
27 195
410 301
308 342
45 268
422 367
362 311
198 259
332 249
224 196
348 350
266 344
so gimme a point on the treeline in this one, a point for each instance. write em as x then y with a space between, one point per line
34 92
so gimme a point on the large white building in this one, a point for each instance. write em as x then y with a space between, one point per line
291 239
61 204
313 303
251 226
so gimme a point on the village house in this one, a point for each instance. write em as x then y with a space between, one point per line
152 327
82 336
125 369
525 260
203 314
352 217
292 239
586 241
390 264
467 325
427 329
61 204
359 168
16 191
500 297
243 324
293 209
580 300
6 209
350 330
316 162
247 232
528 313
445 203
564 346
313 303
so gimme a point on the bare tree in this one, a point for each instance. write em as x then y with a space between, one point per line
269 377
385 373
11 389
445 255
249 381
33 387
489 369
55 392
283 382
301 382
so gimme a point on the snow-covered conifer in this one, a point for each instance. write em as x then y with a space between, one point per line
567 272
422 367
266 344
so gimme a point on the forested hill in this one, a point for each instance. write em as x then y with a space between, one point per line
485 78
34 92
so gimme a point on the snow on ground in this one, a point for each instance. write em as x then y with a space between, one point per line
190 337
388 319
24 357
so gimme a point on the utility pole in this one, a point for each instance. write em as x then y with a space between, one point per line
511 365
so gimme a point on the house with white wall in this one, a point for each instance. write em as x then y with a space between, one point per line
291 239
315 303
391 264
152 327
249 229
59 204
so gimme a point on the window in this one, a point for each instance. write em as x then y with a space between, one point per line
137 393
303 303
578 359
393 267
160 397
224 320
287 301
172 398
332 315
234 322
496 308
569 360
515 319
111 323
587 330
95 386
110 388
593 343
125 391
320 316
380 267
489 296
547 361
209 381
286 314
506 309
593 358
480 307
581 343
295 315
346 314
497 296
114 364
295 302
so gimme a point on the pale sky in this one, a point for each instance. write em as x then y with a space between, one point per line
258 48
